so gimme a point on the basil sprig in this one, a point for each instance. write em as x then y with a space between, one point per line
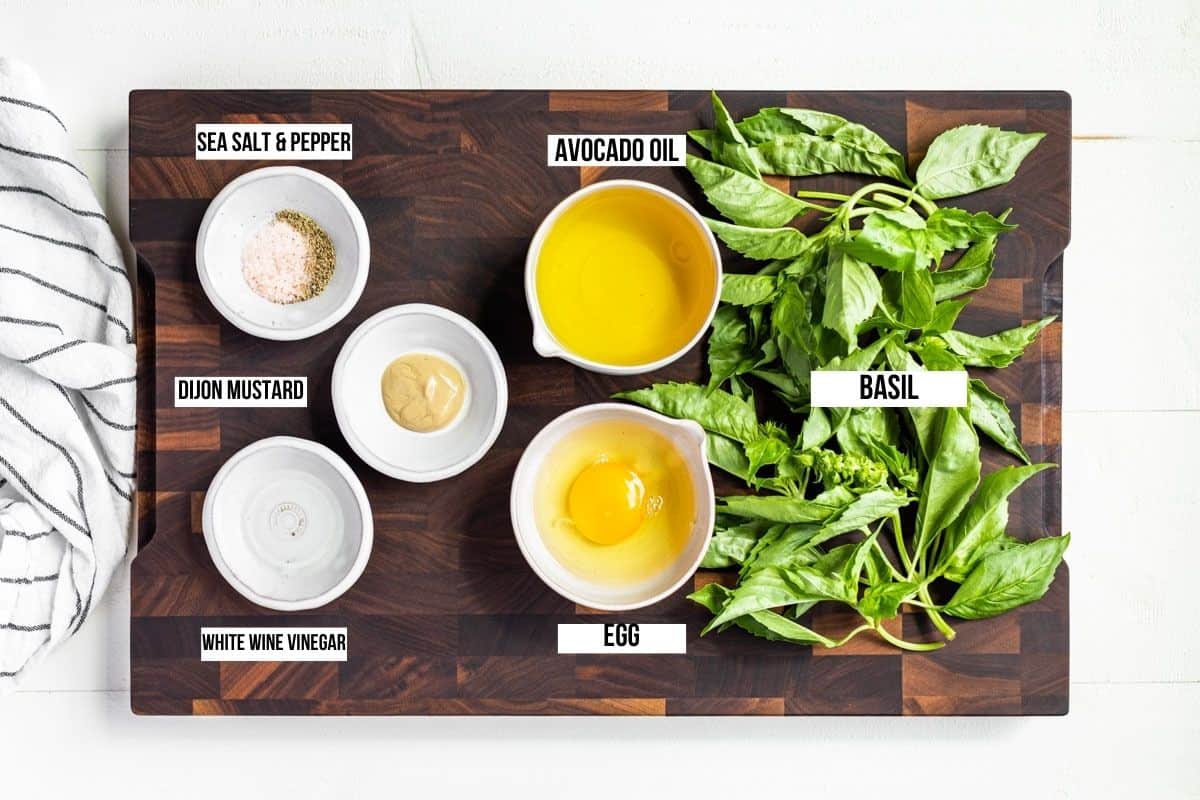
871 508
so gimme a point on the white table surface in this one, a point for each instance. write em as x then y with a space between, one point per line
1131 399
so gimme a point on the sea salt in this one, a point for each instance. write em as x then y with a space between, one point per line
275 263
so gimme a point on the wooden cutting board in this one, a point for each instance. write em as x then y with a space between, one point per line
447 618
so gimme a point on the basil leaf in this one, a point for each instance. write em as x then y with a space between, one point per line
766 624
728 146
724 453
765 451
998 545
984 519
882 601
812 584
861 359
945 313
863 424
934 355
731 346
748 290
731 545
894 239
760 243
906 299
971 272
712 596
785 509
716 411
707 138
795 333
997 350
851 293
784 385
1008 579
803 154
809 261
954 229
951 477
778 628
774 587
743 199
783 546
972 157
991 416
925 421
816 430
852 564
862 511
798 141
836 559
898 464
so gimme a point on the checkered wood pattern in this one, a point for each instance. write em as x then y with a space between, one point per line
447 618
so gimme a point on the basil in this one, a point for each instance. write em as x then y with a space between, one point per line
866 291
972 157
742 198
1008 579
799 142
763 244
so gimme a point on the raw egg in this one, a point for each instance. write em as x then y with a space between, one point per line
607 502
614 502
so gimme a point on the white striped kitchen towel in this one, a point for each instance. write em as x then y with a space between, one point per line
67 385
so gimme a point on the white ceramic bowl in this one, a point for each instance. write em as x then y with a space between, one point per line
288 524
358 400
688 438
247 204
544 341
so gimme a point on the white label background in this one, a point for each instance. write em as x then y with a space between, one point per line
225 402
285 654
678 149
652 638
289 151
840 389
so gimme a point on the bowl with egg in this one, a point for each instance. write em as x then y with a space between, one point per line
612 505
283 253
419 392
622 277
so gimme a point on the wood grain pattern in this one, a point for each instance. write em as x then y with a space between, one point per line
447 619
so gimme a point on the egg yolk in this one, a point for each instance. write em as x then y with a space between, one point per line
607 502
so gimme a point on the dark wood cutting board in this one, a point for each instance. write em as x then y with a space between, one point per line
447 618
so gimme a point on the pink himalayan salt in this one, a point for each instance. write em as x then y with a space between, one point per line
275 263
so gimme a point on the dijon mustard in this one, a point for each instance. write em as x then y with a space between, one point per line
422 392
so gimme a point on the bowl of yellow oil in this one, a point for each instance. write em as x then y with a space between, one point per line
622 277
612 505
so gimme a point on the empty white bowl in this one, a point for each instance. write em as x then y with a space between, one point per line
358 400
288 524
689 440
246 205
544 341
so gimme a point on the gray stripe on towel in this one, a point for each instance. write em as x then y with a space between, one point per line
79 298
30 190
16 101
29 581
64 243
42 156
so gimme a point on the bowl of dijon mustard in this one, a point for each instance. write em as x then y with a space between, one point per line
419 392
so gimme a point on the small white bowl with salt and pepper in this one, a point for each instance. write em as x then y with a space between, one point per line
263 249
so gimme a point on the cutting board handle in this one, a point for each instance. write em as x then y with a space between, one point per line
146 386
